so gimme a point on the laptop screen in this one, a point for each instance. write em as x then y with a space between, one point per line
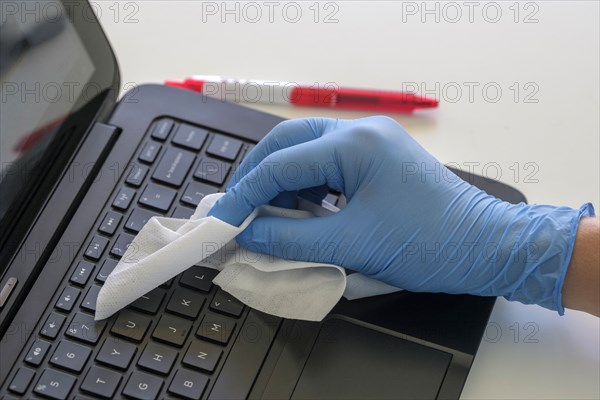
50 73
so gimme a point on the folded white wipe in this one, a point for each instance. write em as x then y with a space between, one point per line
165 247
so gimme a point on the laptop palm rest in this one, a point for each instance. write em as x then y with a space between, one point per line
354 362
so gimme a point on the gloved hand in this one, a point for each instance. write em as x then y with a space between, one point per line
409 221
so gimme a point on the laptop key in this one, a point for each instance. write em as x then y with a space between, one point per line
156 196
96 248
101 382
142 386
131 325
198 278
195 191
150 302
190 136
83 327
107 267
149 152
67 299
89 301
186 303
54 384
174 166
138 218
123 199
21 380
110 223
224 147
37 352
212 170
116 353
121 245
216 328
53 325
188 384
203 355
183 212
70 356
136 175
172 330
82 273
224 303
158 358
162 128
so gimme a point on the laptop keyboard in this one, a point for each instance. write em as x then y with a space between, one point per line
173 341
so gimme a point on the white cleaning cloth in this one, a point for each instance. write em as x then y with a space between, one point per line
165 247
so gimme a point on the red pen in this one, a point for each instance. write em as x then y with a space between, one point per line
330 95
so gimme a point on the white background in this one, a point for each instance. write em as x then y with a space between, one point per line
547 146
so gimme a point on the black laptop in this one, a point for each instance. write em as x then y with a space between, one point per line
82 173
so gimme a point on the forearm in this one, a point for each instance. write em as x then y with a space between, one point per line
581 289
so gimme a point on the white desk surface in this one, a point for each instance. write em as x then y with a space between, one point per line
385 44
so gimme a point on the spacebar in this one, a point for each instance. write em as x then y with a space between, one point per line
246 357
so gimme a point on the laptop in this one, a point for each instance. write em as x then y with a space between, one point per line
82 173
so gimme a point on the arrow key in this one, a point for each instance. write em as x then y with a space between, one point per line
172 330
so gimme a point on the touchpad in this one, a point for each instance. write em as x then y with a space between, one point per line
353 362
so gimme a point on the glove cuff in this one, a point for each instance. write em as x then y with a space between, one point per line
550 233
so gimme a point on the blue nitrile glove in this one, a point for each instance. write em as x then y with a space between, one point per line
409 221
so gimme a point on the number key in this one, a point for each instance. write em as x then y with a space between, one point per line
71 356
54 384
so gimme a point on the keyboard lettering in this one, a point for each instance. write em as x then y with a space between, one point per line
143 386
130 324
175 164
202 355
157 357
100 381
185 302
216 328
115 353
188 384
